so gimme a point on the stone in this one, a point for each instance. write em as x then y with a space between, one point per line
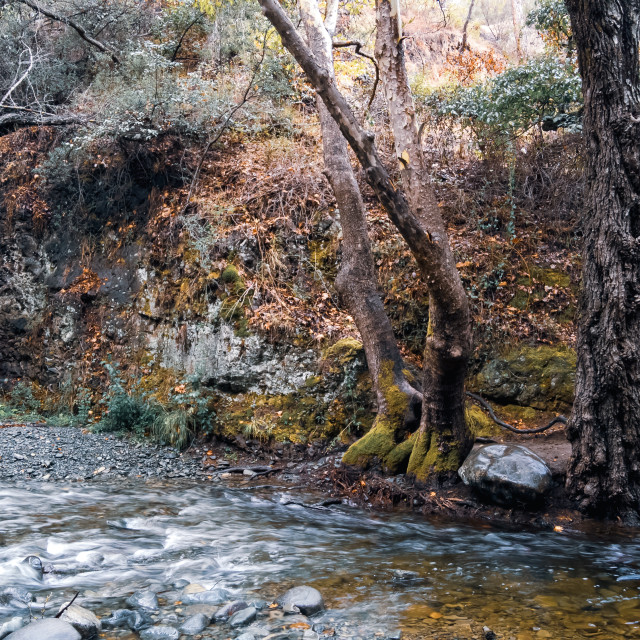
126 618
32 566
143 600
506 473
161 632
194 624
46 629
215 596
16 597
243 617
85 622
305 599
13 624
224 613
247 635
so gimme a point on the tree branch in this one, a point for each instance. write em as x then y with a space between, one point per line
358 46
79 29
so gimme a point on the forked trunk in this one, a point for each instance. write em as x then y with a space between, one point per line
357 281
604 473
443 439
449 339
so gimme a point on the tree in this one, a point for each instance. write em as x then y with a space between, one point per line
357 281
604 472
442 440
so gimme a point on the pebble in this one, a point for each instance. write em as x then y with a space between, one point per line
194 624
161 632
143 600
243 617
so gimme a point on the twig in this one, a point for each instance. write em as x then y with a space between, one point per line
358 46
67 606
22 77
505 425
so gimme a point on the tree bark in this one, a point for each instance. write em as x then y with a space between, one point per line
356 281
604 472
443 440
465 29
516 17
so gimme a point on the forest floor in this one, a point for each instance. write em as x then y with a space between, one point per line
41 453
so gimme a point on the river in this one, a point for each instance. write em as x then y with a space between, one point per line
379 573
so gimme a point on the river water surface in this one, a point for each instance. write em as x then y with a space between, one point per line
523 585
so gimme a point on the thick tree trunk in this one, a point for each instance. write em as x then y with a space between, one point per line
398 402
443 436
604 473
443 440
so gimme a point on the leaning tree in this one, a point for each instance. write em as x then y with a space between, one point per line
604 473
442 440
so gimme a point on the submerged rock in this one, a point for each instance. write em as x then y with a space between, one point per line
161 632
243 617
13 624
224 613
85 622
194 624
215 596
143 600
46 629
305 599
507 473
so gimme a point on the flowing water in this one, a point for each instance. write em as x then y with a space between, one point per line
523 585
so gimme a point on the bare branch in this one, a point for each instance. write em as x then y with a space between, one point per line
358 51
22 77
79 29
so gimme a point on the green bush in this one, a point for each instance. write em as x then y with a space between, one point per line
511 104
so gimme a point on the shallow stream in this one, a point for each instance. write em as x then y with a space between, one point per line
378 573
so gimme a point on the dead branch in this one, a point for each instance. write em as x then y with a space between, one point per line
358 51
79 29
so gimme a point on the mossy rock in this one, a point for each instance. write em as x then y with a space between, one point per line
344 352
539 279
479 423
540 377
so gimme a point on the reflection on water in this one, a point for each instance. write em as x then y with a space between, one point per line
386 571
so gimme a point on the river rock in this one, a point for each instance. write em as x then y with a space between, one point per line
224 613
506 473
85 622
215 596
305 599
143 600
194 624
16 597
126 618
46 629
32 567
13 624
243 617
161 632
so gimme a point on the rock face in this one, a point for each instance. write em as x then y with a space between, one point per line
506 473
538 377
306 599
85 622
46 629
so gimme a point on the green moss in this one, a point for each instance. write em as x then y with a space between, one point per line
434 455
536 283
343 352
312 381
398 459
540 377
479 423
230 274
381 440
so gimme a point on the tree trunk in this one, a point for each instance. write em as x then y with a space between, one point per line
604 472
398 402
465 29
443 439
516 11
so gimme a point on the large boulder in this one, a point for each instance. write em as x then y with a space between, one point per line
305 599
540 377
506 473
85 622
46 629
